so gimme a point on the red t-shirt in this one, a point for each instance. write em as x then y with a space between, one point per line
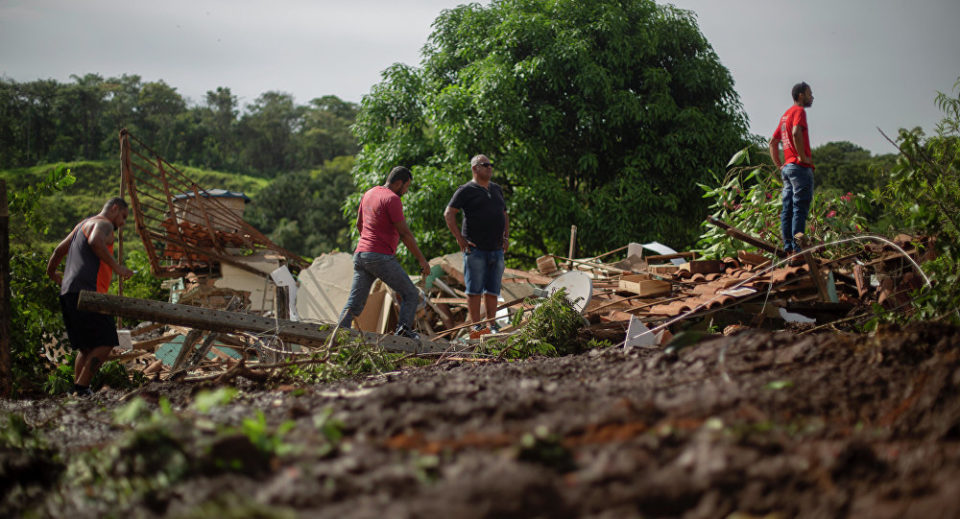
794 116
379 210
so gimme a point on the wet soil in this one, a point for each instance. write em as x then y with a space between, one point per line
756 424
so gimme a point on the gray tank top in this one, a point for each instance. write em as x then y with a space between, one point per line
84 270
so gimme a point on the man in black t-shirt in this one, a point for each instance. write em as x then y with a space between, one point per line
483 237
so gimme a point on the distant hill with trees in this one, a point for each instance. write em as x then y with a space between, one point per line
47 121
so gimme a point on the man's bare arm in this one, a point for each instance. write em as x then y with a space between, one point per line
775 152
450 215
58 254
799 145
406 236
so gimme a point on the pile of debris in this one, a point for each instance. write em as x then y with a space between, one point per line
644 299
234 301
636 301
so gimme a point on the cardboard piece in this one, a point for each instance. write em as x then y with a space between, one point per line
282 278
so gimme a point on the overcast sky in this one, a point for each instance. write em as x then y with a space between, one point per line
870 62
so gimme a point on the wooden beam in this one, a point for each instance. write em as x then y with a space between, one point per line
815 274
744 237
222 321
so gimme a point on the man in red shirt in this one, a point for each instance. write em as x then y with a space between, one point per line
796 169
381 224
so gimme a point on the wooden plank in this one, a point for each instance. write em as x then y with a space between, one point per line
665 257
531 277
452 272
152 344
223 321
744 237
449 300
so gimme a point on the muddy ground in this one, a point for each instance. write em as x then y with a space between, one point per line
758 424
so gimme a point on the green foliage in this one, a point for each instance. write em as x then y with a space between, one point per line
748 198
163 448
60 379
269 440
351 358
207 400
115 375
48 121
35 309
593 112
924 193
551 330
844 166
304 209
17 434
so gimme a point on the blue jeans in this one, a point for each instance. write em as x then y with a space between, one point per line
797 196
368 266
482 271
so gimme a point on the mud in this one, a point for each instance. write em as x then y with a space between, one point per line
759 423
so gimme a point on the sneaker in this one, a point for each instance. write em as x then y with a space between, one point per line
494 328
81 391
478 330
796 260
403 331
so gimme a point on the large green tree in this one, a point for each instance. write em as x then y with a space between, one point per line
845 167
301 211
602 114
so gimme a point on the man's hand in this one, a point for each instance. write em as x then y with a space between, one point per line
124 272
56 277
506 242
464 244
424 269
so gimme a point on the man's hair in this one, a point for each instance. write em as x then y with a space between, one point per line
798 89
477 159
399 173
115 201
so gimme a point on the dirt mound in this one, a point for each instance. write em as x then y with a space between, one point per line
758 423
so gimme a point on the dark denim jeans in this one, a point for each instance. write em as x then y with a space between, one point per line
368 266
797 196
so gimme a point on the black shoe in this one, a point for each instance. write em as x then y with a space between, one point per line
494 328
82 391
403 331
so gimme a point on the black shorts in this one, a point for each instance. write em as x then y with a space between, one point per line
87 330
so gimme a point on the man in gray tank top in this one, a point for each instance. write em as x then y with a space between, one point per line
90 266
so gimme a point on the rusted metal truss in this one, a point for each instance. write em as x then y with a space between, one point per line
185 227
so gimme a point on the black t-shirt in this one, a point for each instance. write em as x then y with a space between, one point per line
483 214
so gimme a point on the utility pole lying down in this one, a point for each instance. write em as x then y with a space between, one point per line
221 321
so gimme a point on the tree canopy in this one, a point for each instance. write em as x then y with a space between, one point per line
602 114
47 121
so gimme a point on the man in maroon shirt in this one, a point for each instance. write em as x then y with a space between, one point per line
796 169
381 224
